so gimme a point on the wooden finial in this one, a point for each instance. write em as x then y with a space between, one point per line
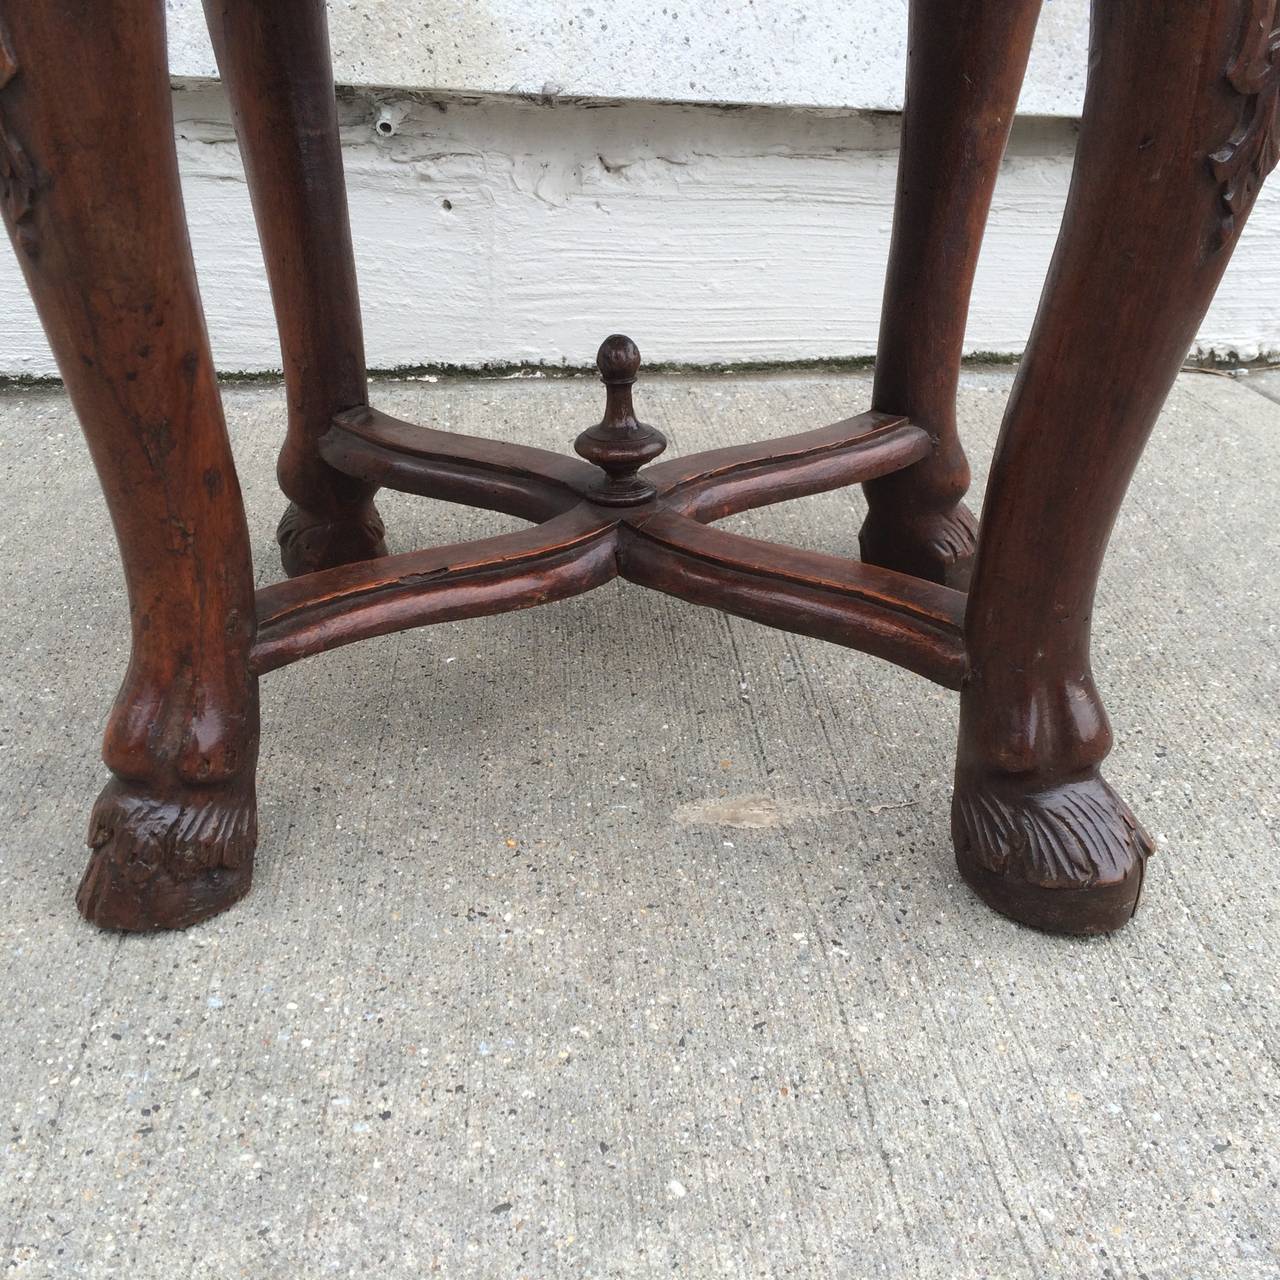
619 445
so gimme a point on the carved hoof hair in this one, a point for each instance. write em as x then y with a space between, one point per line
167 864
1067 859
309 543
937 546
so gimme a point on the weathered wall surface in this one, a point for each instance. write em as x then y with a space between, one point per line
842 53
501 230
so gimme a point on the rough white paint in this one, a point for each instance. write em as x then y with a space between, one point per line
501 231
841 53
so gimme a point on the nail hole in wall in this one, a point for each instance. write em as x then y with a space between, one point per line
391 115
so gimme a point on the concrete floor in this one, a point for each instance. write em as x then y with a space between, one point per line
622 938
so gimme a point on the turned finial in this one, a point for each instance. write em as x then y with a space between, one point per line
619 445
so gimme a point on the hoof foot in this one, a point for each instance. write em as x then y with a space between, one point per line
309 543
937 546
1068 859
161 863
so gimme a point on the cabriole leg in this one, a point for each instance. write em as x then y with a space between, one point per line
92 202
965 66
274 60
1177 135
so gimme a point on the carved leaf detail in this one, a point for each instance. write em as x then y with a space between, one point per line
8 63
17 176
1252 152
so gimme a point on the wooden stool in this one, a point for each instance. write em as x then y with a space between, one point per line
1178 134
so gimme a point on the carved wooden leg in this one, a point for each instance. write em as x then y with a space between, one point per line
275 62
1177 135
92 202
965 67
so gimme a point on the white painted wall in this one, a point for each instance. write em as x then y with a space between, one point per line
840 53
497 230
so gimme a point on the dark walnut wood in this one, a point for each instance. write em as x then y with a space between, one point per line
274 61
965 64
95 210
620 445
1155 206
1178 136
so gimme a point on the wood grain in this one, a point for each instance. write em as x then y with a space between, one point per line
533 484
561 558
274 61
965 64
1038 832
721 482
95 213
915 624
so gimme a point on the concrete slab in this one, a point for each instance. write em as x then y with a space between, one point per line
622 939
